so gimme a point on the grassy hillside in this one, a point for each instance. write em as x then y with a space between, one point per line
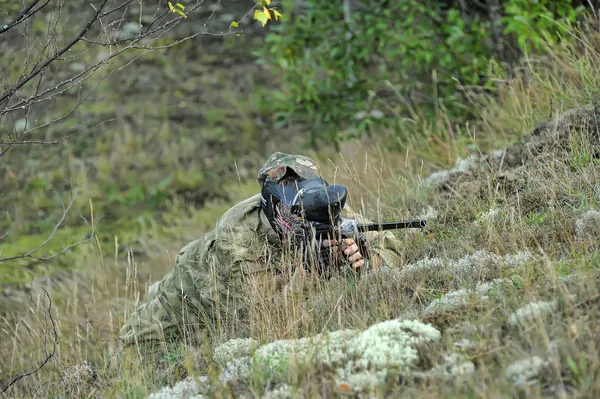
498 297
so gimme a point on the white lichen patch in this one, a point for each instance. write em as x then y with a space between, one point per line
332 347
233 349
482 289
362 360
365 382
478 264
464 164
237 370
390 346
525 371
469 269
439 178
451 300
453 366
329 348
458 298
531 312
190 388
442 177
587 227
428 214
465 344
274 358
283 391
419 270
518 260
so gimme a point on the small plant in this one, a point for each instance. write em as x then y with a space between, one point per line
538 25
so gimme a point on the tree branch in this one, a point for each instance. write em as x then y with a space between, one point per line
57 141
161 29
23 15
104 14
48 61
43 244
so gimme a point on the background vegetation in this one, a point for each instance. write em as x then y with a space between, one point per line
170 139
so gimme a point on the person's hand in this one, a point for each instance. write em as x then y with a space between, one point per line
349 248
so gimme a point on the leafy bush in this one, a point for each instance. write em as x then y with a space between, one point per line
534 23
354 68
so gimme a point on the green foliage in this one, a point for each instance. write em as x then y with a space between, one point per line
348 73
537 218
380 65
540 23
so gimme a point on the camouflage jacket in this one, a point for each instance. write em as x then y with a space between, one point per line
207 280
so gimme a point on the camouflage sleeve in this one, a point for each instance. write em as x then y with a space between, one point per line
167 310
383 244
204 285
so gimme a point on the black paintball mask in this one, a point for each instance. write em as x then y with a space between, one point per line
290 206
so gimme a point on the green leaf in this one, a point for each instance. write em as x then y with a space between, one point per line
180 13
572 365
180 6
234 24
277 14
171 6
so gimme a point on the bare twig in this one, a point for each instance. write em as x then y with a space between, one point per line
50 237
23 15
133 42
48 61
17 98
104 14
49 355
57 141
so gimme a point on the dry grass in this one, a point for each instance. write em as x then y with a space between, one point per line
512 217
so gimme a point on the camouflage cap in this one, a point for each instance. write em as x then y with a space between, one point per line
277 165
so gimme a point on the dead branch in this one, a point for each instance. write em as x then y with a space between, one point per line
49 355
150 30
31 253
142 41
25 14
9 92
104 14
57 141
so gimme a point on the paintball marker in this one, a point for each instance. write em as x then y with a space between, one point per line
314 205
349 228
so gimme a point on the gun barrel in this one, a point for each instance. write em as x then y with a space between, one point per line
411 224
